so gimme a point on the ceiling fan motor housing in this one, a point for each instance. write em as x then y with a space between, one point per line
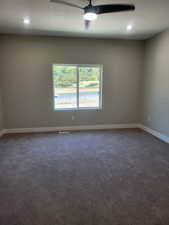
90 9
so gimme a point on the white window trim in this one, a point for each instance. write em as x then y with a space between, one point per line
100 87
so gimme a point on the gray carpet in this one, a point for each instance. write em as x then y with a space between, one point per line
118 177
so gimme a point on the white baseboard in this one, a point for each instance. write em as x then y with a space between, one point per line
2 132
154 133
86 127
71 128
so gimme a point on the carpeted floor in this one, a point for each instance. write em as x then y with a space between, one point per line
118 177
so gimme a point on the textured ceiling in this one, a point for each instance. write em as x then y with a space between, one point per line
150 17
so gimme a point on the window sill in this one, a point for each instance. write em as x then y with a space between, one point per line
77 109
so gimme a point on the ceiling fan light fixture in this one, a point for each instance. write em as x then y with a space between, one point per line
90 16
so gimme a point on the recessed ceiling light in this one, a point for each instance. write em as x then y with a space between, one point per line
26 21
129 27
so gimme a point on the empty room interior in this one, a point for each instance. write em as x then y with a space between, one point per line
84 112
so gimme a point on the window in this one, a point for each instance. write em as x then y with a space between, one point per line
77 86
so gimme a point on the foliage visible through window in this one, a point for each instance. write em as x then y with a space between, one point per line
76 86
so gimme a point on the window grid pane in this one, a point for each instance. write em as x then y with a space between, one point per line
89 87
65 86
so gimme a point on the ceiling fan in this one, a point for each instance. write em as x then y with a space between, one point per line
91 11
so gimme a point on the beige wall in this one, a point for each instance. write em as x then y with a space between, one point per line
1 112
27 80
1 107
155 90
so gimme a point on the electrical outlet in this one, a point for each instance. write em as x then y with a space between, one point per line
73 117
149 118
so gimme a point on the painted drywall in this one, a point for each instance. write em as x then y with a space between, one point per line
27 79
1 106
155 89
1 112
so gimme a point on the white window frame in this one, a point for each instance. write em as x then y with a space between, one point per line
77 91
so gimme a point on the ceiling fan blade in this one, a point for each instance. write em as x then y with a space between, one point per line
87 24
66 3
101 9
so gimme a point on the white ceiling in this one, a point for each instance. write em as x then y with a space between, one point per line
149 18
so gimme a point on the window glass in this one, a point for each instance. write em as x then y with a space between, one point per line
65 86
77 86
89 86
